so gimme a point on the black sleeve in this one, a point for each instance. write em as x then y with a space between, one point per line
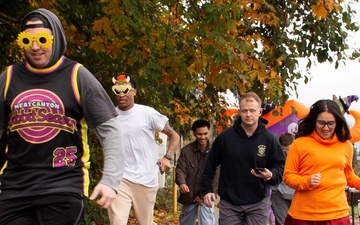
212 162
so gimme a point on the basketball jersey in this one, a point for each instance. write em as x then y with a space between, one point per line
47 149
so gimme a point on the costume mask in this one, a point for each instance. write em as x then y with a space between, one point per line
43 39
122 85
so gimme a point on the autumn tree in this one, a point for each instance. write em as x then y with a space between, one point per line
185 52
196 49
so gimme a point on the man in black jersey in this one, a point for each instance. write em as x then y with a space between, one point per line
47 104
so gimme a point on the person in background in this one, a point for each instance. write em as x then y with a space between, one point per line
250 159
319 166
139 185
47 104
281 194
190 166
271 212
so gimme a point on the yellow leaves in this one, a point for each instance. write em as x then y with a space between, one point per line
332 5
170 78
319 11
98 43
112 8
33 3
102 25
257 71
161 217
182 112
232 26
158 139
273 73
258 74
323 6
253 14
191 68
272 19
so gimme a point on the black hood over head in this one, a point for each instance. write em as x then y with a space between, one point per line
59 43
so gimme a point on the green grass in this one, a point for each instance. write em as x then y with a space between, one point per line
355 210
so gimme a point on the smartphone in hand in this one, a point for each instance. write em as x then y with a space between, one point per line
258 170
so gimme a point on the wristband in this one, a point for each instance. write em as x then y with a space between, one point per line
269 177
168 157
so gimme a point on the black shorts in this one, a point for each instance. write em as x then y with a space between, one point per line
54 209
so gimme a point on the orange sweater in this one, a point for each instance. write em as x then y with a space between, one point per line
331 158
355 130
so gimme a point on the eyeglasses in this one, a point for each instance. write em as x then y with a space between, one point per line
43 40
322 124
245 111
125 91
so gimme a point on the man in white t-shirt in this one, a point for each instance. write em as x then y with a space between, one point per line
139 123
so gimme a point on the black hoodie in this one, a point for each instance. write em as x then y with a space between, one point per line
238 154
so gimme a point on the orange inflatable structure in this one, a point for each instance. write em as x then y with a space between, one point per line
285 118
228 118
281 119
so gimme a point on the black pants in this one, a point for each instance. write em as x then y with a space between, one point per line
54 209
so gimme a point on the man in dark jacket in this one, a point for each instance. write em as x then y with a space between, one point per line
188 174
240 149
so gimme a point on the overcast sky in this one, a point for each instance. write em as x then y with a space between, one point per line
327 81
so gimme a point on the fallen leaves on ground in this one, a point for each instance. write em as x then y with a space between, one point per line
161 217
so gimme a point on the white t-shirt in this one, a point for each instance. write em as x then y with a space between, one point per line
138 126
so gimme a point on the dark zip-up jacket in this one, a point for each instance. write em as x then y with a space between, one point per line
238 154
189 169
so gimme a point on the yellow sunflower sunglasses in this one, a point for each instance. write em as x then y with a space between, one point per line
43 40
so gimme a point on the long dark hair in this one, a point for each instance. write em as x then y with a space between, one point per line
307 124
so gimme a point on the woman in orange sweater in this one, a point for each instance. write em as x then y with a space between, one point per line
319 166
